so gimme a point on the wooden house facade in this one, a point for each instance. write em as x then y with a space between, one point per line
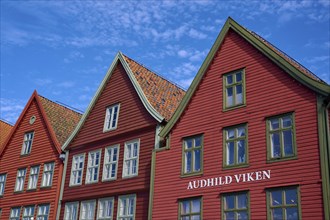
5 129
30 167
250 140
108 156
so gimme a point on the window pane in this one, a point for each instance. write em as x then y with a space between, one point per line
189 143
241 201
229 202
197 160
229 100
242 215
230 216
195 217
287 139
240 131
196 206
241 151
230 153
277 214
274 124
291 196
188 161
238 77
185 207
286 121
292 213
276 198
239 94
275 145
229 79
230 134
197 142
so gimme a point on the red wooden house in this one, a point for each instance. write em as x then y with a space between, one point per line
108 165
5 129
30 167
250 140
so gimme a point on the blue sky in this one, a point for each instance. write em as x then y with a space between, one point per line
63 49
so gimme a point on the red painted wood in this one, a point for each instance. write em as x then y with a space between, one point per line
269 91
43 151
134 123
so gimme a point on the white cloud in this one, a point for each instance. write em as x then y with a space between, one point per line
66 84
317 59
183 53
11 109
185 83
193 33
42 82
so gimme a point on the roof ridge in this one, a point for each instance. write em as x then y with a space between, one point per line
154 72
61 105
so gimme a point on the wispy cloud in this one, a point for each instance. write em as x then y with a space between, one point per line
317 59
11 109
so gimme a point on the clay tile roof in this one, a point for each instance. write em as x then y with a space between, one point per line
289 59
5 129
63 120
163 95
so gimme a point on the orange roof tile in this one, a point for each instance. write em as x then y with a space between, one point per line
163 95
63 120
5 129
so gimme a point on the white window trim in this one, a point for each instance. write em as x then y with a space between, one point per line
19 213
66 207
23 180
105 163
119 202
23 145
112 207
29 182
81 208
105 129
137 159
82 170
4 184
88 166
42 215
28 216
43 174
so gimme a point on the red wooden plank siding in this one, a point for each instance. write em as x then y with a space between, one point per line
43 151
134 122
269 92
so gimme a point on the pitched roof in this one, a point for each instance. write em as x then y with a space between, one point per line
163 95
159 96
62 119
289 65
5 129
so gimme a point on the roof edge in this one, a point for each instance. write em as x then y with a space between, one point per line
316 86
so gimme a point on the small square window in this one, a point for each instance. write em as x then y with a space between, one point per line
192 155
234 89
281 137
110 166
93 166
190 209
131 158
235 206
2 184
47 177
111 118
77 169
235 146
27 143
20 179
126 207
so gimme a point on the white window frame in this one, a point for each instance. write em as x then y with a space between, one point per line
73 177
47 176
69 207
33 177
107 163
17 214
110 199
43 212
108 121
128 158
120 200
89 203
27 143
91 167
20 179
3 178
27 214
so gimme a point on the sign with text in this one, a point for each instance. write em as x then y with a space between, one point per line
226 180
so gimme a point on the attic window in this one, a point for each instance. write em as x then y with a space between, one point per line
111 118
32 119
27 143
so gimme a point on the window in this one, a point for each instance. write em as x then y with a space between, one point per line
77 170
283 203
190 209
71 211
126 207
2 184
234 89
27 143
105 209
47 177
15 213
93 165
235 206
131 158
28 213
43 212
87 210
235 146
20 180
110 163
33 179
192 155
281 137
111 118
